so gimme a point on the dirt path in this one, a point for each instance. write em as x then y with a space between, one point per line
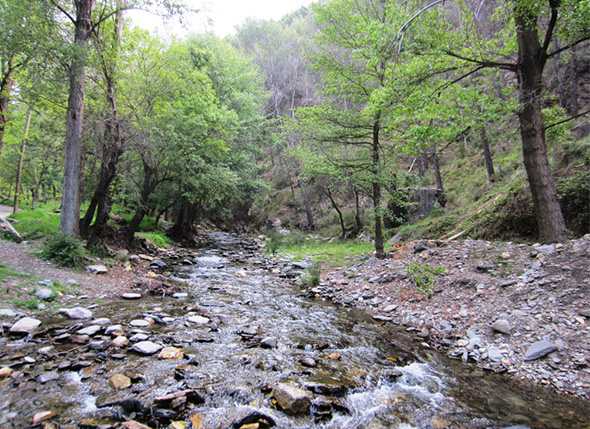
5 211
21 258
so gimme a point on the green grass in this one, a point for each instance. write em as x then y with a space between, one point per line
6 273
424 276
158 239
336 253
40 222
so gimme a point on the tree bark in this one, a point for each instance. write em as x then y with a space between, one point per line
149 185
376 188
21 158
340 216
441 195
5 90
70 213
531 62
307 207
184 223
487 154
358 221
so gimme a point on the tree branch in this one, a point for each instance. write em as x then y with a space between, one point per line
551 26
571 45
65 12
460 78
571 118
484 63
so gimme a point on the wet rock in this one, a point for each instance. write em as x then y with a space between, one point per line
131 295
79 339
44 293
26 325
114 330
76 313
502 326
158 264
103 321
42 416
132 424
171 353
308 362
268 343
146 347
98 345
138 337
89 330
47 377
199 320
120 381
120 341
97 269
327 389
291 399
539 349
251 419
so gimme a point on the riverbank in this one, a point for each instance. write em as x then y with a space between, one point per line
514 308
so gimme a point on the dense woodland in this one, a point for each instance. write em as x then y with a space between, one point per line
372 118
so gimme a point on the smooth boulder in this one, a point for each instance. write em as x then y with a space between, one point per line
291 399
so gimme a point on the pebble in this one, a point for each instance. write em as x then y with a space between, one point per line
131 295
308 362
199 320
120 381
114 330
502 326
89 330
140 323
120 341
146 347
171 353
138 337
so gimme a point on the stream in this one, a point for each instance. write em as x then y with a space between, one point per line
245 329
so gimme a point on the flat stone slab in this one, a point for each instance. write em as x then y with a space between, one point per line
97 269
539 349
26 325
199 320
146 347
76 313
131 295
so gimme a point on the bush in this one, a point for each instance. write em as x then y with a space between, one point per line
424 276
311 277
65 251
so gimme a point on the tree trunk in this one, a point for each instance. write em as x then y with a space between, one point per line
441 195
184 223
70 213
376 188
307 207
531 61
340 217
21 158
487 155
358 221
5 89
149 184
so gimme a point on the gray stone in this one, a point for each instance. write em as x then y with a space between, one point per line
101 321
8 313
131 295
140 323
494 354
199 320
114 329
89 330
539 349
502 326
308 362
390 308
180 295
44 293
146 347
159 264
291 399
268 343
26 325
97 269
138 337
584 312
47 377
76 313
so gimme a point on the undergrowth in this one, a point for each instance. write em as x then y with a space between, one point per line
65 251
424 276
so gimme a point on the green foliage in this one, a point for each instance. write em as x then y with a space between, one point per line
28 304
40 222
65 251
574 195
158 239
424 276
331 254
312 275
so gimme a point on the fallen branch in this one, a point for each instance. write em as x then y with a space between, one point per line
8 229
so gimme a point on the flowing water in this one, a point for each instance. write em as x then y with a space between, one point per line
360 373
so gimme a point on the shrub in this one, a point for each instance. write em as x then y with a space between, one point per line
424 276
311 277
64 250
158 239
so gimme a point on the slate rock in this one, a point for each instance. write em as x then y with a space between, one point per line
146 347
26 325
539 349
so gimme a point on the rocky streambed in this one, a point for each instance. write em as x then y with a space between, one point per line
239 346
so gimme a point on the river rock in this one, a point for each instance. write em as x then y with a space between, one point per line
131 295
101 321
140 323
502 326
291 399
47 377
26 325
138 337
180 295
268 343
76 313
120 381
584 312
494 354
199 320
114 330
89 330
5 372
8 313
308 362
159 264
146 347
44 293
539 349
42 416
171 353
97 269
132 424
120 341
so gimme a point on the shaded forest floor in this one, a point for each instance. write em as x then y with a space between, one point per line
484 302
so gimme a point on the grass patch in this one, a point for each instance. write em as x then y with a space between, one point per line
333 254
158 239
65 251
28 304
424 276
6 273
312 275
40 222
